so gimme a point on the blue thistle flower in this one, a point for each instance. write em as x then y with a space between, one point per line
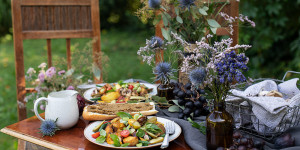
156 42
197 76
163 72
48 127
154 3
186 3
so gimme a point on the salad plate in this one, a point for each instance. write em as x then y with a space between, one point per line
88 93
88 131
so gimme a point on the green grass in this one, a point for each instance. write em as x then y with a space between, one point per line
119 46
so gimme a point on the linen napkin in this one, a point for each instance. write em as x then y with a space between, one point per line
268 110
192 136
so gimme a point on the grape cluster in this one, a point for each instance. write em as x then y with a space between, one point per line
80 103
193 100
243 143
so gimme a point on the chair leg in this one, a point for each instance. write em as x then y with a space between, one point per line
21 144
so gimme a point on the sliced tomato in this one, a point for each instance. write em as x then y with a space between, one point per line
95 135
130 87
125 133
109 88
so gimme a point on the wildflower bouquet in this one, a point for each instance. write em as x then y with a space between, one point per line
190 19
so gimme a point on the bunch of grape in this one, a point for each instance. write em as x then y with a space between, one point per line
193 100
243 143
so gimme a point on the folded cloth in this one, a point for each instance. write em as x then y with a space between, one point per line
192 136
268 110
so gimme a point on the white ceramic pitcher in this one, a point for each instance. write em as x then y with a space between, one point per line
62 106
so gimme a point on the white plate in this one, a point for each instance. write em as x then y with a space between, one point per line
87 94
88 131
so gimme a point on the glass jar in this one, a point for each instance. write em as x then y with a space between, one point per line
219 127
165 90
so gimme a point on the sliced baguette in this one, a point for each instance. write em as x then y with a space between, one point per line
96 116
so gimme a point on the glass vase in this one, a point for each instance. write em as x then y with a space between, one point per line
165 90
219 128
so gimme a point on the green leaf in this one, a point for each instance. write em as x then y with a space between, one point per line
205 8
201 126
139 145
166 34
116 140
176 11
140 133
213 23
125 145
96 71
176 103
112 90
69 72
179 19
153 128
165 20
161 100
102 133
202 11
145 143
214 30
101 139
174 108
124 114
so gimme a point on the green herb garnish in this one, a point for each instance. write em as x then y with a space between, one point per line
200 126
124 114
116 140
140 133
150 127
145 143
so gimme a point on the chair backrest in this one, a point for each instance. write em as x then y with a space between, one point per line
50 19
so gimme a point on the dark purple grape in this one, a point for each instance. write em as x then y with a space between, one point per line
188 93
175 91
232 147
197 112
180 115
198 104
189 104
80 103
181 102
258 144
202 99
254 148
188 86
220 148
201 91
242 147
187 111
244 141
181 94
194 93
205 111
237 135
284 141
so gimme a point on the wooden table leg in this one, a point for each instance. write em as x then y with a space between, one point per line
32 146
21 144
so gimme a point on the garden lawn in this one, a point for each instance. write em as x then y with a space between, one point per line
119 46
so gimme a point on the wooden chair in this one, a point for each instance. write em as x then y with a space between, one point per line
51 19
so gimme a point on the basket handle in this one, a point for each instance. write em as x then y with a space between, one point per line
295 72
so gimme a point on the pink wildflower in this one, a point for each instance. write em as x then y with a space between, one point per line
41 76
70 87
61 72
50 72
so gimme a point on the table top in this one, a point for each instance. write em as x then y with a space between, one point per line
73 138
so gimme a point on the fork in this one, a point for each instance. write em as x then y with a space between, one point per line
170 128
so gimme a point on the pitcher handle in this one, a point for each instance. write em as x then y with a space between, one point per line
36 103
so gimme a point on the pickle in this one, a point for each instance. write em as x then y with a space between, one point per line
96 129
156 140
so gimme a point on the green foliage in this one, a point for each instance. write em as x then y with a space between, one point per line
5 17
276 38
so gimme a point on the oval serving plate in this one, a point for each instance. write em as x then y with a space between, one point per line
87 94
88 131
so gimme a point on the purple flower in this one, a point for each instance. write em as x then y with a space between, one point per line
61 72
197 76
41 76
154 3
50 72
186 3
156 42
70 87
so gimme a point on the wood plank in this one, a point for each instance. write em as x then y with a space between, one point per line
54 34
68 41
19 59
32 139
30 90
49 53
223 31
95 15
234 11
55 2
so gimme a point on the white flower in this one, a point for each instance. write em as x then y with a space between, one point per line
31 71
42 65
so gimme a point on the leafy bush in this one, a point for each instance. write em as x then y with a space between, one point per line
276 38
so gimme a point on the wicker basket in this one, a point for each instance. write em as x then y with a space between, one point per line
249 123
